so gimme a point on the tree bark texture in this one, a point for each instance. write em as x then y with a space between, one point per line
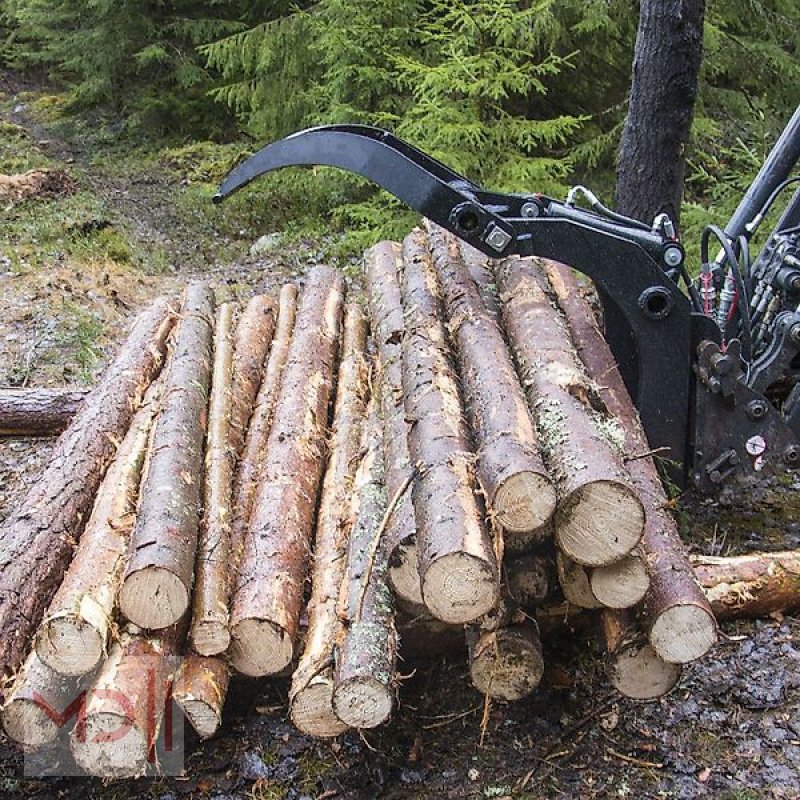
383 266
250 346
209 632
156 588
456 560
38 412
128 697
74 635
518 490
666 66
37 539
200 689
752 585
600 517
311 694
269 587
364 690
681 625
249 467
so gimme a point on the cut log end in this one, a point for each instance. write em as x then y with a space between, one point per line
153 598
210 637
459 588
639 673
363 701
507 664
524 502
100 750
260 647
620 585
683 633
312 709
27 723
202 716
70 645
600 523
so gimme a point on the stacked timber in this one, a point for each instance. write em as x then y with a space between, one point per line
311 489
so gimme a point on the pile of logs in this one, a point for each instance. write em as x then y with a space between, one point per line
304 489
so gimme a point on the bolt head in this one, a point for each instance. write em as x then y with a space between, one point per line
673 256
498 239
791 455
529 210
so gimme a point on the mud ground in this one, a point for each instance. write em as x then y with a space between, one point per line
73 271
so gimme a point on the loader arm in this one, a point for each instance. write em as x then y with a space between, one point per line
656 331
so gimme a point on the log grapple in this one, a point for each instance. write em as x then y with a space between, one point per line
712 362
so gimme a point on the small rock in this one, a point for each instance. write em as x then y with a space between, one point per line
266 244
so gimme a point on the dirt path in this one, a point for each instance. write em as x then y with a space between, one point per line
73 272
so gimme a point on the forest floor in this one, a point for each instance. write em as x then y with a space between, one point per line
73 271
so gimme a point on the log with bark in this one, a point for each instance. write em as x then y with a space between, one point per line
364 680
383 265
268 596
38 537
311 693
200 688
126 705
506 663
41 704
751 585
518 490
455 556
38 412
680 624
156 588
75 631
209 632
600 517
250 347
249 466
633 666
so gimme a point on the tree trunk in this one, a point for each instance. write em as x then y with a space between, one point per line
666 65
634 668
74 634
600 517
506 664
125 707
383 263
200 688
249 467
209 632
622 584
156 588
364 682
250 346
311 694
37 539
518 490
267 600
752 585
40 704
681 625
480 269
37 412
457 565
